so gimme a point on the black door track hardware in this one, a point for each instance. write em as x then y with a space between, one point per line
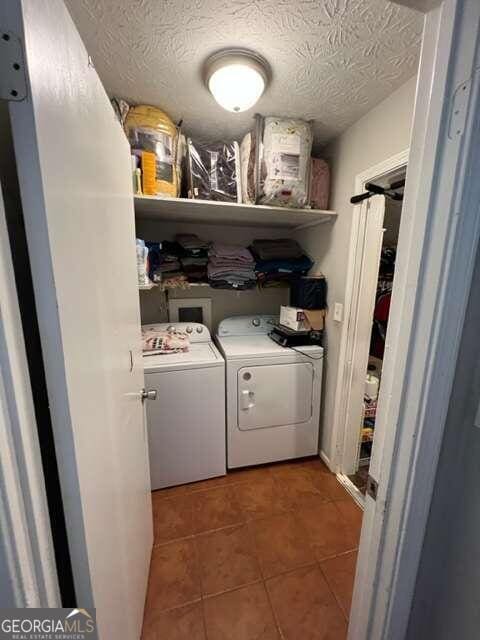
375 189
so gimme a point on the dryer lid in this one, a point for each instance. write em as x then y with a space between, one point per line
262 346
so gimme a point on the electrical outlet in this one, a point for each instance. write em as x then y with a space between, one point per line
338 312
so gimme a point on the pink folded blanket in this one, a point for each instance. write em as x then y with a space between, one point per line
156 342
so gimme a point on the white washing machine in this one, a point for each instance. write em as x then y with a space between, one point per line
186 422
273 393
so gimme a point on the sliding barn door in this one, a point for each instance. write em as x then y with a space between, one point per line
74 170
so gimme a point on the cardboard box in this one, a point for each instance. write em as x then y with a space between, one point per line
293 318
302 319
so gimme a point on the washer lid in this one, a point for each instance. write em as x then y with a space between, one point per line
196 332
262 346
203 354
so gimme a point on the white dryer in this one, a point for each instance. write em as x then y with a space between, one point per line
186 422
273 393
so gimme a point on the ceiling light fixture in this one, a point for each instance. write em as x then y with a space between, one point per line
236 78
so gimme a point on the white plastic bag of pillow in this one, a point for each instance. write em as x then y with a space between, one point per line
284 158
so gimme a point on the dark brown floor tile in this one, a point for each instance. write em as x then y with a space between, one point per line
281 544
318 466
302 463
184 623
328 484
279 468
352 513
340 574
243 614
261 498
174 576
328 532
169 492
305 607
227 559
300 485
172 518
214 509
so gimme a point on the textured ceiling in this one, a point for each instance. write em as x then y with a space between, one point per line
332 60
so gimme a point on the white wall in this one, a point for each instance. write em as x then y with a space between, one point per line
381 133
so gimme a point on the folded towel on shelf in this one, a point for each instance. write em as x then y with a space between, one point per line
282 248
230 267
230 252
172 265
162 257
195 268
240 285
192 261
233 272
298 265
196 273
192 243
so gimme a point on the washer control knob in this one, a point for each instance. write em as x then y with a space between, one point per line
256 322
199 329
189 330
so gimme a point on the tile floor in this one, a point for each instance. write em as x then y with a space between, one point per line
262 554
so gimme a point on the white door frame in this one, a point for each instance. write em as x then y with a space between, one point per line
365 246
438 243
28 575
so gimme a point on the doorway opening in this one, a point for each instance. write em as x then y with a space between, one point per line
372 269
381 312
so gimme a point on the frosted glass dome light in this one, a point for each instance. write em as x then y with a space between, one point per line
236 78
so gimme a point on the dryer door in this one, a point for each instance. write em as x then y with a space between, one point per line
274 395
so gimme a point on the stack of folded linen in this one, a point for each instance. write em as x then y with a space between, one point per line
195 269
192 245
230 267
194 257
164 267
279 260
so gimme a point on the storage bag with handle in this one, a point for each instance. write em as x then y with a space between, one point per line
284 160
154 138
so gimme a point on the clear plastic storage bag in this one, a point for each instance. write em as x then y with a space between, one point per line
214 171
284 160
